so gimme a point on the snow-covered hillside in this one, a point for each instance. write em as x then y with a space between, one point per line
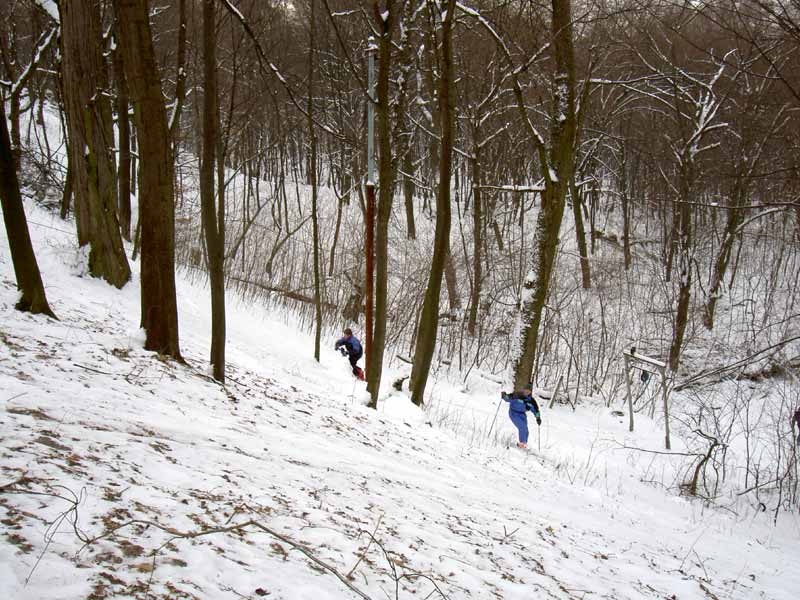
125 475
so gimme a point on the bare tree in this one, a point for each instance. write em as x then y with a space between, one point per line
386 19
26 269
11 60
213 212
313 181
91 140
556 163
159 304
429 319
693 103
122 101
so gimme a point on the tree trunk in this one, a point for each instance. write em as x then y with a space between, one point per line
451 282
626 208
159 305
684 243
180 78
386 173
429 320
26 269
16 142
580 235
561 156
312 175
212 227
477 240
408 196
91 139
123 124
336 231
724 254
66 195
672 238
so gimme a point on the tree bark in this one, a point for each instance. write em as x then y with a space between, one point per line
561 155
180 78
386 174
91 139
684 247
626 207
124 127
26 269
212 227
580 235
477 239
451 283
429 319
312 174
408 196
159 304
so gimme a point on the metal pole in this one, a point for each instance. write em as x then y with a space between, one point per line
495 417
664 391
372 48
628 386
370 216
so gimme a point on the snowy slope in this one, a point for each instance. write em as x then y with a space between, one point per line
124 475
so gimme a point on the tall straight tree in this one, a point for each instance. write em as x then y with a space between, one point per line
313 180
386 18
26 269
429 320
556 167
124 128
180 76
91 139
156 194
213 215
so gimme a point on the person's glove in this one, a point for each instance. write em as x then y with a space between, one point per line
538 420
504 396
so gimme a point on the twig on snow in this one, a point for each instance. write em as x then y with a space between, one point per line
364 553
71 514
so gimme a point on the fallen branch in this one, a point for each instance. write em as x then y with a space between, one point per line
292 295
624 447
189 535
364 553
735 365
71 514
410 575
94 370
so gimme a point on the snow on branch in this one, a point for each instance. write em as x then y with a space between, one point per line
488 26
533 189
44 44
515 72
49 6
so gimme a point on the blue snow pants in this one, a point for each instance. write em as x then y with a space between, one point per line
520 421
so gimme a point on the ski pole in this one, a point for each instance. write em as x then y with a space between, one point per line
539 436
495 417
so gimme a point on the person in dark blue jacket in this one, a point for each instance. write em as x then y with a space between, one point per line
519 404
349 346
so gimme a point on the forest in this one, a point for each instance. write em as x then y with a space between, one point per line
520 188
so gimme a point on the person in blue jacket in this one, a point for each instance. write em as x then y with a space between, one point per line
351 347
519 404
